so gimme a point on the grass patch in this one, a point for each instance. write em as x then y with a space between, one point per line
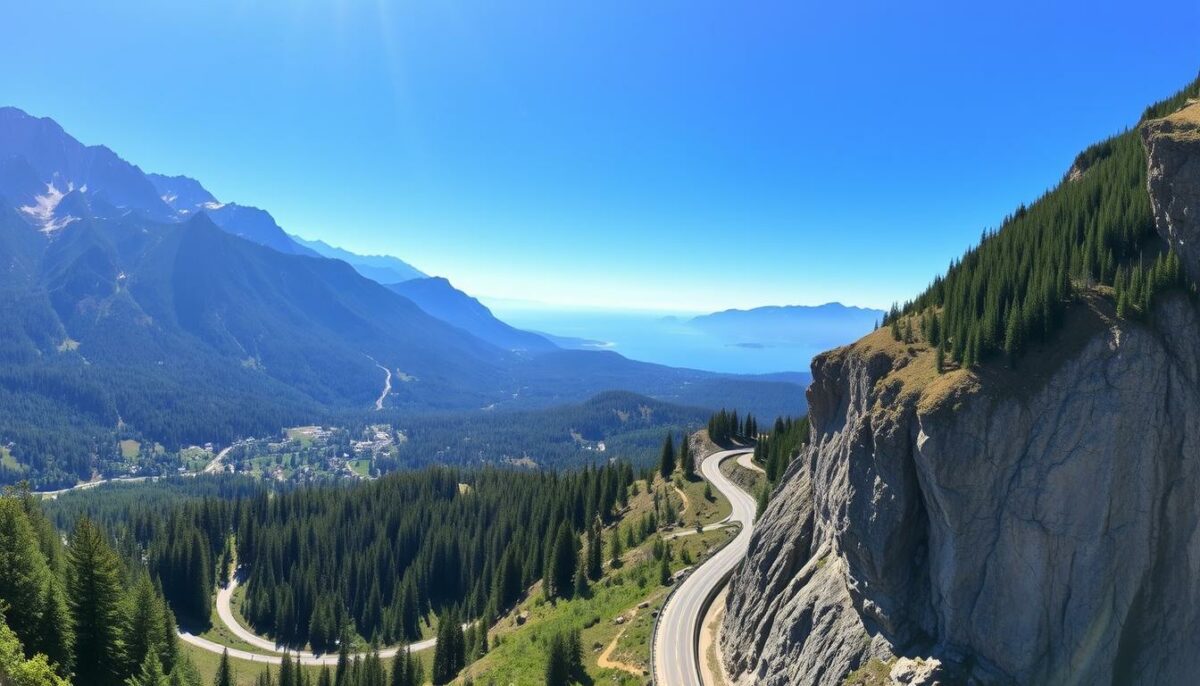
875 672
195 459
130 449
8 462
361 467
707 511
518 651
748 480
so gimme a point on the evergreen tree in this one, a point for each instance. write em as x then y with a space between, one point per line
151 673
615 550
564 659
287 675
341 673
449 654
28 590
224 676
564 562
185 673
686 462
581 584
95 596
145 627
595 555
666 464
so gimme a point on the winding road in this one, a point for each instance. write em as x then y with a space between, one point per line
225 612
676 655
387 386
675 659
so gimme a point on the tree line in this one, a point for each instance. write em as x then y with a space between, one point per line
724 427
1094 230
776 450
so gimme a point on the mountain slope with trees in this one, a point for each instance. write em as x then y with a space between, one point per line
1016 438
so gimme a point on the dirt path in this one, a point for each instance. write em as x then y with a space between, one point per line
605 660
712 672
683 497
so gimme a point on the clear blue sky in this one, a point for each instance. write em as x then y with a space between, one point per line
670 154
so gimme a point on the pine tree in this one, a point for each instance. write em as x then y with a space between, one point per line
224 676
95 596
763 496
581 584
686 462
595 556
30 593
564 658
664 571
341 672
185 673
615 548
287 676
449 654
145 626
150 674
564 562
666 464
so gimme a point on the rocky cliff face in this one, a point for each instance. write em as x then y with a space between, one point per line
1038 525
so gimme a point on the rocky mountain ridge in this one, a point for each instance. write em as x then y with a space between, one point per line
1030 525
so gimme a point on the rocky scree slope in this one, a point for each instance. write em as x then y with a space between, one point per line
1031 525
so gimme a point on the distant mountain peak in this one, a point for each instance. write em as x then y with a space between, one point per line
182 193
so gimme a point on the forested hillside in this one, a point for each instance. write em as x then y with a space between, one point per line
1093 233
77 612
611 425
374 562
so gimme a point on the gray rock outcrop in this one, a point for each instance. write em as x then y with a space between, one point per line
1030 526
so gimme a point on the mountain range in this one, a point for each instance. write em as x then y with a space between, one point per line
139 304
831 323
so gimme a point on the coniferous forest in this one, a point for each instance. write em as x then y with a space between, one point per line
326 566
1093 232
76 611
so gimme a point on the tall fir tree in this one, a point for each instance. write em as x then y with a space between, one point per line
686 462
666 463
224 675
95 594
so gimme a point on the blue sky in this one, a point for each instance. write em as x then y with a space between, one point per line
676 155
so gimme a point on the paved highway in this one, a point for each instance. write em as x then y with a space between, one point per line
225 612
675 659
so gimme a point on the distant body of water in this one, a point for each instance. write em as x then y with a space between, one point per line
671 340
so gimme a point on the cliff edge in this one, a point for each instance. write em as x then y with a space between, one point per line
1034 524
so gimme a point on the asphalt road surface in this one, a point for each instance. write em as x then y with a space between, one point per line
676 659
